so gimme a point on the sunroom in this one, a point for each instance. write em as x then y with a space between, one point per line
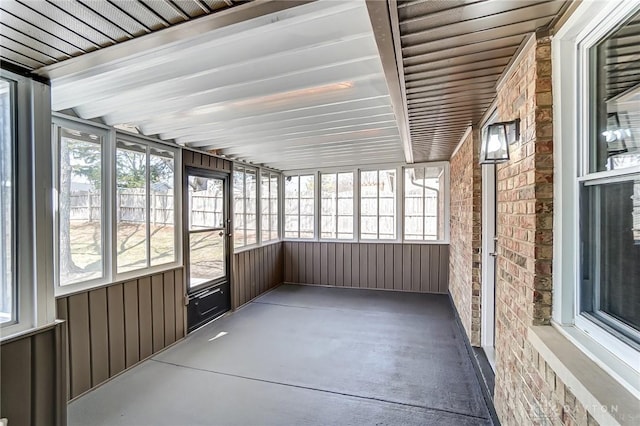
320 212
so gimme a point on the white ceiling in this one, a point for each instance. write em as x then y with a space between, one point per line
298 88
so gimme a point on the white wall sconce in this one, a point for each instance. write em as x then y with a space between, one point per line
496 140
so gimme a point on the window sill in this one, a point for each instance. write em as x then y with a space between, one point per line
32 331
71 289
606 399
256 246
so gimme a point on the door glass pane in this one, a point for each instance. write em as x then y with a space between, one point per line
206 203
610 234
80 207
615 99
163 230
207 249
7 278
131 206
206 257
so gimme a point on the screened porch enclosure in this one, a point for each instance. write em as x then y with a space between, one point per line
319 212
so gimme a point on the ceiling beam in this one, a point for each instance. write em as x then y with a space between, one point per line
383 29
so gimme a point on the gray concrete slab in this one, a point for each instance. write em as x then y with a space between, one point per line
305 355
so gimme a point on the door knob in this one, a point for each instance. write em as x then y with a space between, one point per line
221 234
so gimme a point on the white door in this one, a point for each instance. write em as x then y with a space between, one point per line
489 204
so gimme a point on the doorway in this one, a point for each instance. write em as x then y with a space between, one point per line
489 256
207 234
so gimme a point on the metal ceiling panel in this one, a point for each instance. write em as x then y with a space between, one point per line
453 53
117 17
300 84
32 32
61 29
142 13
168 11
48 25
53 12
193 8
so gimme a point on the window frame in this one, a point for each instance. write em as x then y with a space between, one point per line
33 224
399 168
445 202
109 228
354 214
399 201
270 175
588 25
315 205
257 213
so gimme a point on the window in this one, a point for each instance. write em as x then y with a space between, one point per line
269 205
116 205
597 185
245 206
80 205
26 217
609 188
423 203
336 205
7 202
299 206
378 204
146 232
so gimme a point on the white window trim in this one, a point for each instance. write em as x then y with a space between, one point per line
270 174
111 135
589 23
316 193
33 174
399 167
354 215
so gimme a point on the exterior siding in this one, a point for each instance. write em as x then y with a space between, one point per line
421 268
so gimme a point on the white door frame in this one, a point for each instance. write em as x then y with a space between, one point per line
487 316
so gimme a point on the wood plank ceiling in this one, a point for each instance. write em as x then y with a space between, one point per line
453 53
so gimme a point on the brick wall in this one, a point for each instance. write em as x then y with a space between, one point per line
527 391
466 237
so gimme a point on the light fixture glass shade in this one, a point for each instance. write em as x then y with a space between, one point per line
495 148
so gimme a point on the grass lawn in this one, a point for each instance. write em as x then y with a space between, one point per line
207 259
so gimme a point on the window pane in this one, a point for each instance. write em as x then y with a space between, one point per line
239 207
265 222
299 192
163 230
251 206
422 203
206 257
610 234
378 204
337 199
615 101
7 222
80 193
131 206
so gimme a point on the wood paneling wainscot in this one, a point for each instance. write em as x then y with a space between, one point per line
256 271
112 328
33 377
420 268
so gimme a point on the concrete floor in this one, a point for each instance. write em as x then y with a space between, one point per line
303 355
